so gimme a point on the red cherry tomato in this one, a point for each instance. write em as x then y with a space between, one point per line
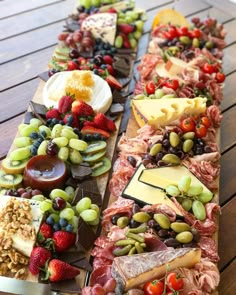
150 88
172 83
220 77
174 282
208 68
187 125
196 33
200 130
171 293
182 31
153 288
205 121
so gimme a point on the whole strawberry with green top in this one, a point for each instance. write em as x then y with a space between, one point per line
63 240
38 258
59 270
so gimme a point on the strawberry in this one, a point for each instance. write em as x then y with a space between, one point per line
59 270
110 69
63 240
84 67
64 104
71 65
53 113
45 232
82 60
93 130
38 257
126 28
111 10
113 82
107 59
89 123
71 120
81 108
104 123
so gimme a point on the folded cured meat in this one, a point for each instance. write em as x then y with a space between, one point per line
132 271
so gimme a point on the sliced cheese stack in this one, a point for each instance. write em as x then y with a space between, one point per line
132 271
161 112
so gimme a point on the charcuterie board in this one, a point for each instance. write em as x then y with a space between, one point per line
102 181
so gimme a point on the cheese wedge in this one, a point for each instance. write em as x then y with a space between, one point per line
22 245
161 112
146 194
133 271
163 176
101 25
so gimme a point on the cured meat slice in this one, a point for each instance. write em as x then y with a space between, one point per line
132 271
209 249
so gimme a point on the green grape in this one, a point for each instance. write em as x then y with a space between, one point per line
61 141
95 3
195 190
139 25
89 215
75 222
42 149
172 190
199 210
94 222
187 204
35 122
75 156
3 191
22 141
63 153
67 213
45 129
20 154
22 126
68 133
78 144
45 205
70 192
205 197
38 198
118 42
159 93
86 3
55 217
68 205
184 184
128 19
56 192
28 129
137 35
95 207
56 130
83 204
133 43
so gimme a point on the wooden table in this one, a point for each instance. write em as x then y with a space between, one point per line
28 36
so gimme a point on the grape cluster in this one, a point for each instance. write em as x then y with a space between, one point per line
191 197
27 193
104 48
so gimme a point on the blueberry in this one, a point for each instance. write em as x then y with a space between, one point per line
56 227
103 66
34 135
54 121
88 137
34 150
43 133
96 72
69 227
63 222
37 143
76 131
96 136
50 220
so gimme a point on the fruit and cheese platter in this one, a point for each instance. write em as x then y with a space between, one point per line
88 210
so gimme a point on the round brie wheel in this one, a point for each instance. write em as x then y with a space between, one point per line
101 98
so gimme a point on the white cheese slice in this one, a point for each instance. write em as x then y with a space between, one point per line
145 193
101 25
54 89
25 246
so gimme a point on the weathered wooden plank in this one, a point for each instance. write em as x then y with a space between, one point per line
231 33
43 37
229 59
229 92
11 7
228 134
226 6
227 176
227 236
17 99
36 18
8 131
25 68
151 4
228 282
142 47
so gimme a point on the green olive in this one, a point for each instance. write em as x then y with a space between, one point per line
123 221
162 220
185 40
156 148
179 227
174 139
187 145
196 42
171 159
141 217
189 135
184 237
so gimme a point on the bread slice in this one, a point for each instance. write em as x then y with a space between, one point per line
133 271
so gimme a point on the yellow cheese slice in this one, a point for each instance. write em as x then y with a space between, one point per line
163 176
145 193
161 112
169 16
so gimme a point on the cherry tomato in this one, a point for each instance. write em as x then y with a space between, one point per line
182 31
174 282
208 68
160 82
187 125
172 83
168 35
196 33
200 130
220 77
205 121
150 88
153 288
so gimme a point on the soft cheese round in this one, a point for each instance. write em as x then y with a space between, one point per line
54 89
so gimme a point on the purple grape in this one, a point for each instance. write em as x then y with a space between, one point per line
166 143
52 148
